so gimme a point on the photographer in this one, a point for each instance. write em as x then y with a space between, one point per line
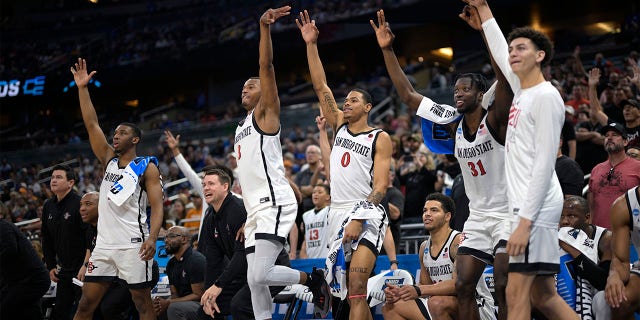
419 178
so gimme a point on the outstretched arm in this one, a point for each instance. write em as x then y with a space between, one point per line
503 95
594 103
173 143
496 41
328 103
99 144
385 37
325 145
267 112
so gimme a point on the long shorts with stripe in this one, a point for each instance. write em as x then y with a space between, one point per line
272 223
484 236
542 253
107 264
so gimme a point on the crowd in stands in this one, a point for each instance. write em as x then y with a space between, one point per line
25 186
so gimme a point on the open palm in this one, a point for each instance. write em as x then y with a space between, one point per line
307 28
80 75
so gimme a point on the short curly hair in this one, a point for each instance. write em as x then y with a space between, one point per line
539 39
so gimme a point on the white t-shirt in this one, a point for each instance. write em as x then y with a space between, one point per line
533 137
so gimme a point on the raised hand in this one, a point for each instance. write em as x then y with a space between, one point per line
307 28
172 142
471 17
594 77
383 31
271 15
322 123
80 75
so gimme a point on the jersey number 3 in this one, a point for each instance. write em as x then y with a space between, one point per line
474 170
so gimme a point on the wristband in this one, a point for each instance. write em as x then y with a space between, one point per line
394 261
418 290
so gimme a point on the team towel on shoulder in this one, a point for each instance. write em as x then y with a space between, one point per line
434 117
124 187
572 236
339 254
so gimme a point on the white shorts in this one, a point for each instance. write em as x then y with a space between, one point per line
373 230
272 223
487 311
542 254
484 237
126 264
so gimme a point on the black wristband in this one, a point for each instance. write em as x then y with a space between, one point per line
394 261
418 290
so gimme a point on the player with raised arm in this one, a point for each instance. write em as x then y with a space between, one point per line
270 202
126 243
535 197
359 170
479 147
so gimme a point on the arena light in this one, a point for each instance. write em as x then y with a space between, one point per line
446 52
93 1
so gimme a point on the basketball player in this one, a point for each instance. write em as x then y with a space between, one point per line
359 171
623 285
315 222
270 202
435 295
126 243
535 197
590 247
479 147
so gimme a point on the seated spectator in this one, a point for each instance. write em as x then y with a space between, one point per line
589 245
434 296
186 277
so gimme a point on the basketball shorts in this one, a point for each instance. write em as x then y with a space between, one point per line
373 230
126 264
271 223
542 253
484 237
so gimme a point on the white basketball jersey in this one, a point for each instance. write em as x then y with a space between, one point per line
633 201
440 268
352 165
260 167
482 164
316 235
125 226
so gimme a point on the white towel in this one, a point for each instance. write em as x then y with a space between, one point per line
124 187
339 255
577 238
